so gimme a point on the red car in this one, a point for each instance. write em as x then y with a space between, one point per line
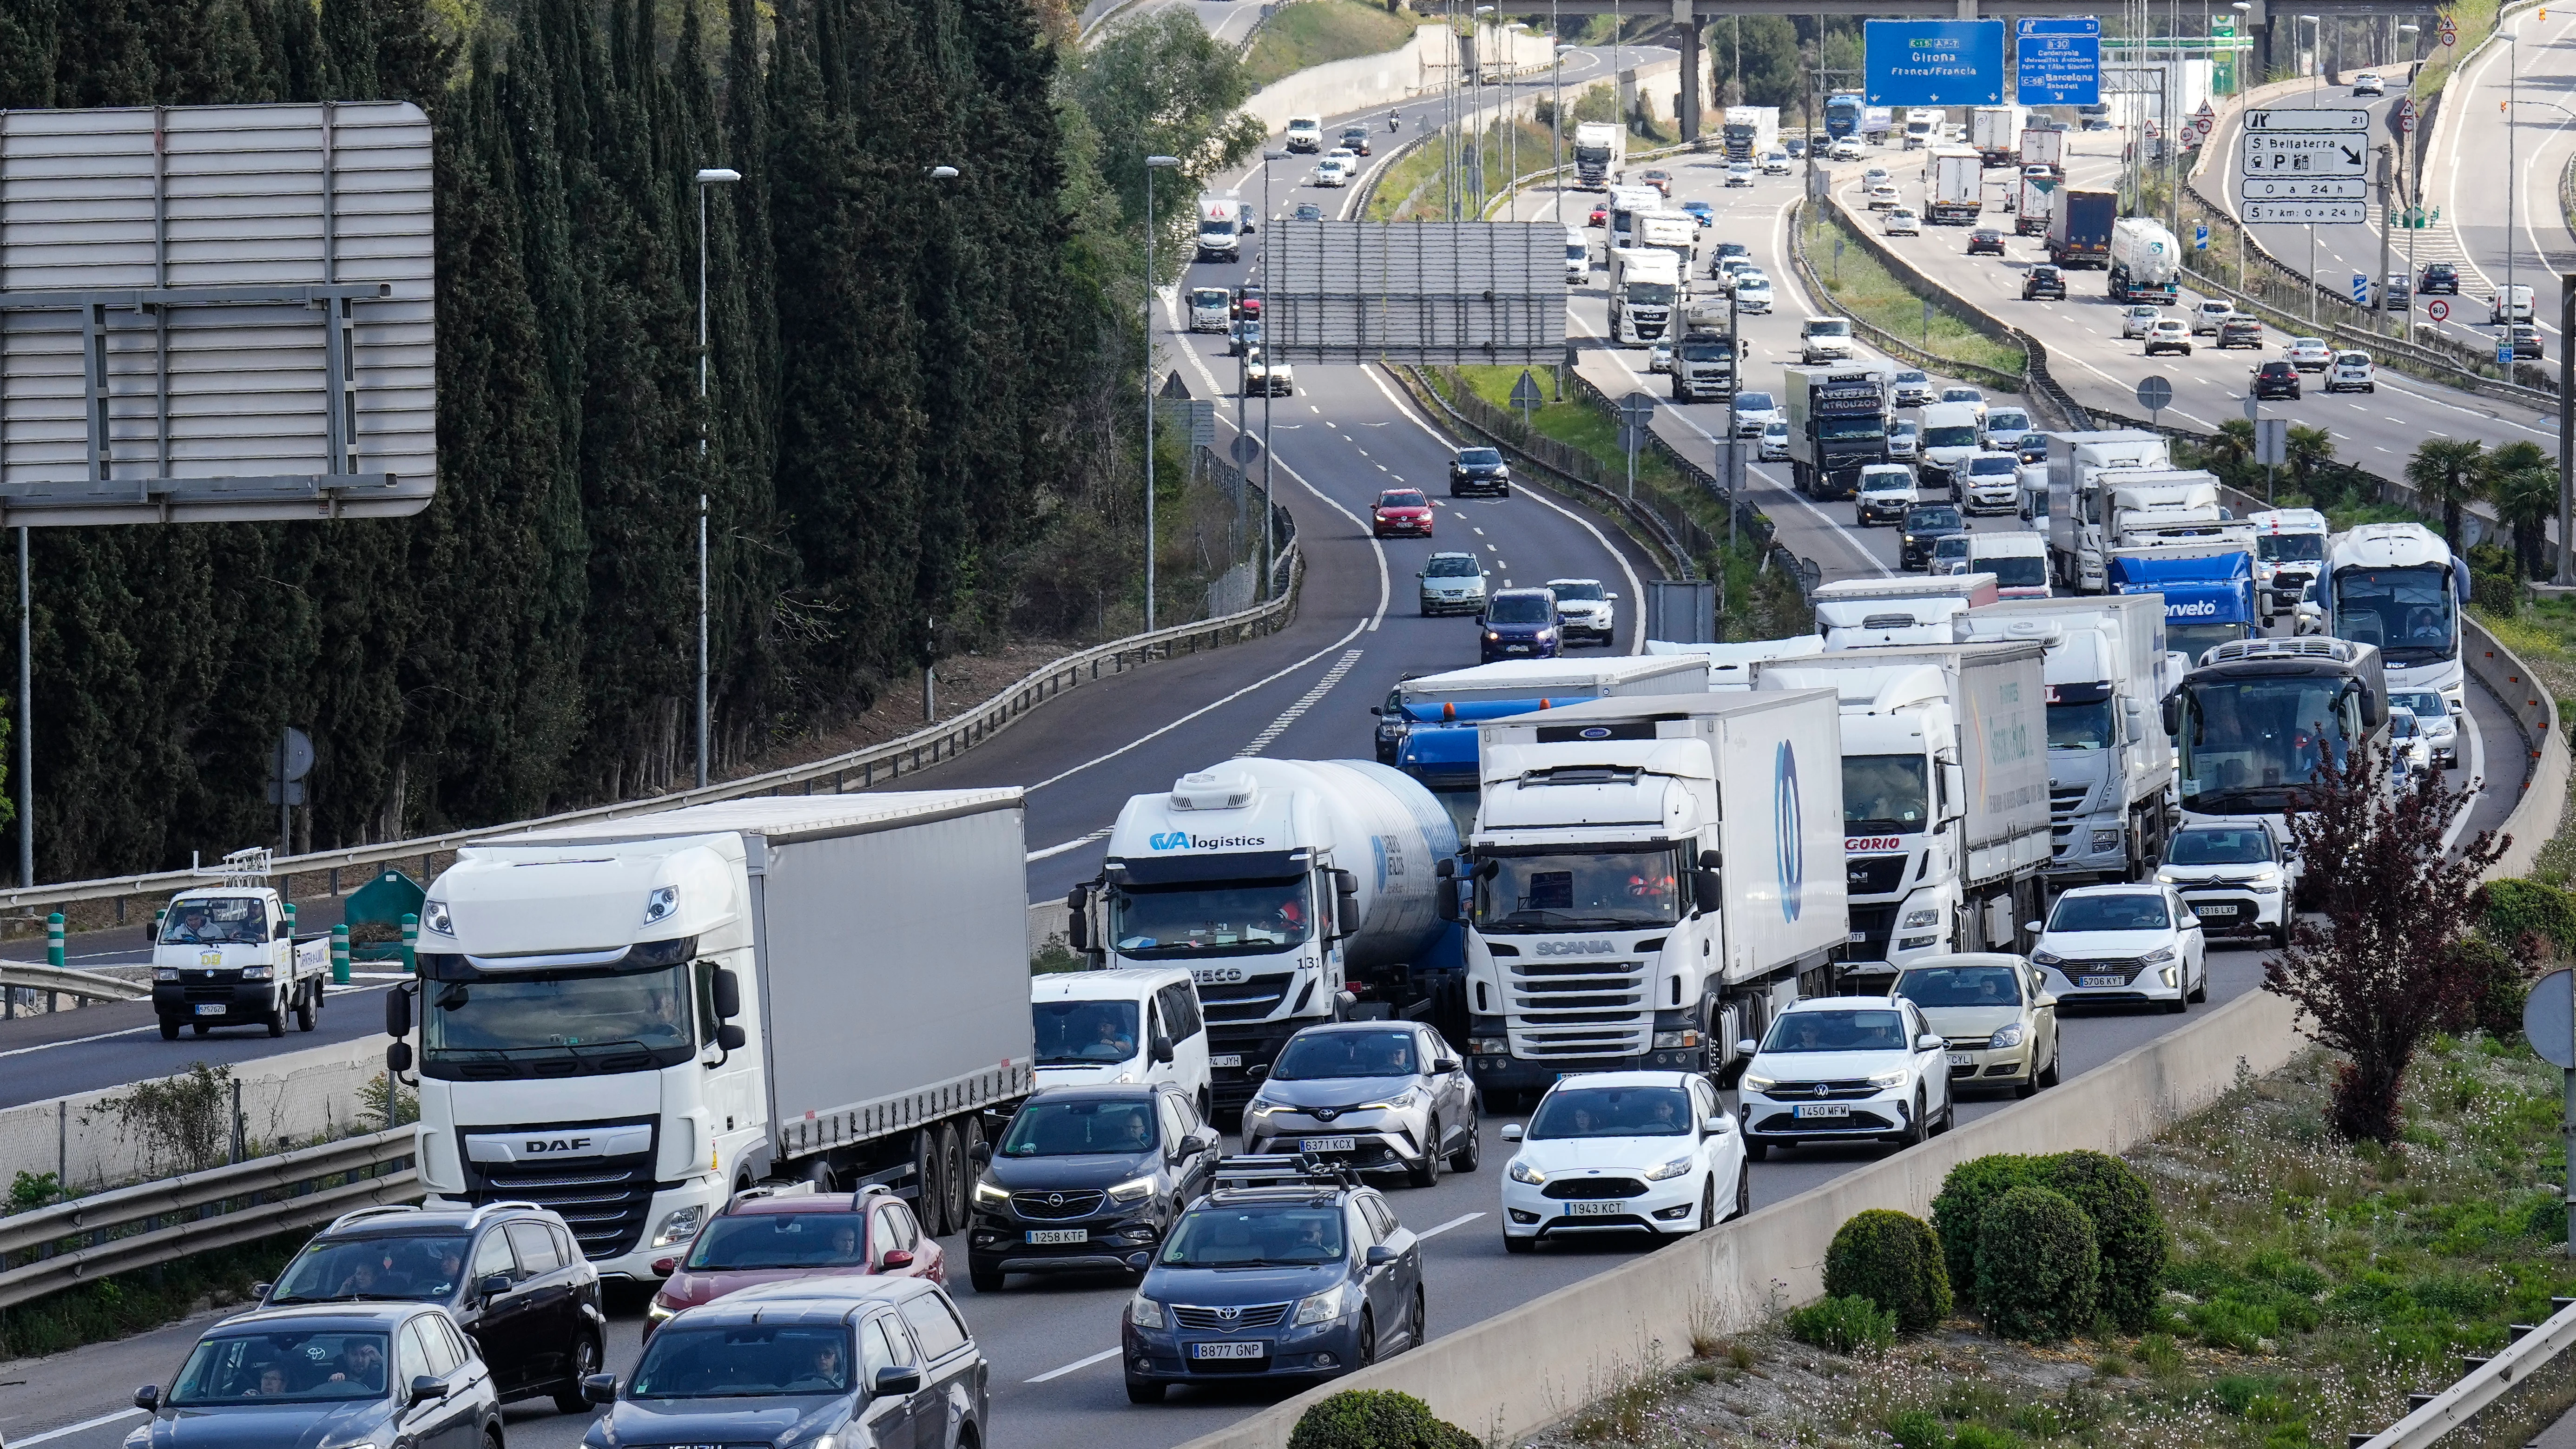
766 1235
1247 300
1401 510
1660 180
1600 215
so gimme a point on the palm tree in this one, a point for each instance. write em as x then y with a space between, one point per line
2307 450
2526 499
2450 472
2232 449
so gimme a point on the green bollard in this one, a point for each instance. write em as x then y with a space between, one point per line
156 925
290 924
340 955
411 943
54 940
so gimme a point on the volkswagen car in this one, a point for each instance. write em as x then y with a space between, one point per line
1375 1096
2123 944
1087 1179
1519 624
770 1235
1835 1068
1996 1014
2276 379
1400 511
2236 878
1624 1152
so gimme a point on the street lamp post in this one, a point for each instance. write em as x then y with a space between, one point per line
1556 116
2513 181
1482 193
1152 165
708 176
1269 510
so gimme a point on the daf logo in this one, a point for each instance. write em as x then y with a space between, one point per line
1575 948
555 1144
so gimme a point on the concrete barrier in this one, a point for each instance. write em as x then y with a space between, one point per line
2535 817
1420 66
1520 1371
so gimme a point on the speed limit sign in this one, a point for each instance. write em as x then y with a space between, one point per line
2438 310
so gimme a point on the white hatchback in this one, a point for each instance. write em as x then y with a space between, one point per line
2352 372
2132 944
1903 222
1843 1067
2433 716
1623 1152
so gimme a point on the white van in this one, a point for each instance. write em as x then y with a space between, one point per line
1305 133
1135 1024
2016 557
1578 257
2509 304
1210 308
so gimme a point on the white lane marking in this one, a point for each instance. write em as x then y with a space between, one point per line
1459 1221
1080 1363
103 1419
2477 762
1294 712
1077 843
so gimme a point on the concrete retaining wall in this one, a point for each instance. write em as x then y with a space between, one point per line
2536 816
1426 63
1520 1371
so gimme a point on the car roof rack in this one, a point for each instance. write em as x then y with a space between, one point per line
489 1208
362 1214
774 1189
1284 1169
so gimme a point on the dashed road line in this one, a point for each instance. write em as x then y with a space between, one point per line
1294 712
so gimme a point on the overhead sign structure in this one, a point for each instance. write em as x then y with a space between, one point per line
1442 293
1932 62
217 313
2305 153
2057 61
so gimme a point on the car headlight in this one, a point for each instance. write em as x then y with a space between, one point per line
1144 1312
1259 1108
434 918
2161 956
679 1225
1489 1045
2166 877
165 973
1919 919
1755 1082
1669 1170
1326 1306
987 1195
258 973
2046 958
1401 1101
1521 1171
660 1312
1134 1189
2266 880
1493 638
2007 1036
1894 1078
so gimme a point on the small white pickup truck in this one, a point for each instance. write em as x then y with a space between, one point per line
224 957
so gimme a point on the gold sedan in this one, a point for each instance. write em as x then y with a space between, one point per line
1995 1013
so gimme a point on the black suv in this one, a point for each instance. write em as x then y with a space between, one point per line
509 1272
2240 332
2043 281
1480 470
1356 139
2438 277
1087 1179
2276 378
1924 526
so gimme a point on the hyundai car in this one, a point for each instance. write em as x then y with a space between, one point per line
1087 1179
1479 470
1624 1152
1835 1068
2236 878
1400 511
1519 624
2123 944
1996 1014
1375 1096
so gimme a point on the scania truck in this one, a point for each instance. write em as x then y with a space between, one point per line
632 1020
1600 149
2398 588
1624 911
1750 131
1945 792
1296 891
1837 425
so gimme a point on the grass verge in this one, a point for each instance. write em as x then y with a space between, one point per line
1416 188
131 1303
1871 292
1316 32
2476 20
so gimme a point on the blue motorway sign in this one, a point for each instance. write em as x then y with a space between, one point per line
1933 62
2058 61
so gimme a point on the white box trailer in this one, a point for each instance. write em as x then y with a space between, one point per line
1954 186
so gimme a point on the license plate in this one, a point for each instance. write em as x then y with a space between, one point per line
1962 1059
211 1008
1228 1059
1857 937
2213 910
2101 981
1331 1144
1050 1236
1824 1109
1256 1349
1596 1209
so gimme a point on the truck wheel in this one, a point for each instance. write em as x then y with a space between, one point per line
277 1017
928 1192
169 1028
304 1007
957 1180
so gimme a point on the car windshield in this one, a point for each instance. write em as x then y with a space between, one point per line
1707 351
1953 547
1961 395
742 1361
1753 402
2124 912
1231 918
2209 846
1884 794
1610 890
748 1242
2085 726
215 920
1923 520
2352 359
2290 547
2423 703
1612 1112
1835 327
1333 1055
1519 609
1256 1235
1452 566
493 1018
2308 344
1083 1033
1079 1126
1856 1030
1565 589
1962 435
2401 724
424 1267
1993 467
1479 458
1894 481
1961 986
1910 377
2005 420
308 1366
1906 429
1402 500
2276 369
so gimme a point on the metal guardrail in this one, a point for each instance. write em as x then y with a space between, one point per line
2486 1381
858 769
64 981
63 1246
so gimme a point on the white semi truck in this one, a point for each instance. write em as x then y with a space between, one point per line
2032 203
2110 763
2146 261
2142 508
1672 231
1750 131
2080 467
1898 609
1945 792
1954 186
2289 555
1600 150
1995 131
2398 588
1645 295
630 1021
1627 913
226 955
1291 889
2044 146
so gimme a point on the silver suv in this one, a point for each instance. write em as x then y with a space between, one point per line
1452 583
1377 1096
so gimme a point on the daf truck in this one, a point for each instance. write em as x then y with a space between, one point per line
1898 609
1296 891
1953 186
1750 131
1945 792
1625 910
227 955
1837 425
2080 467
630 1021
2145 261
1600 150
2398 588
2110 762
2253 723
1645 290
2079 228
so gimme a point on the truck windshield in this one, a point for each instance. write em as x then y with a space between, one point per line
598 1020
1650 294
214 920
1868 425
1609 890
1707 351
2248 745
2198 639
1884 794
2408 613
423 1267
1233 919
2080 726
2015 571
1215 226
1084 1033
2290 547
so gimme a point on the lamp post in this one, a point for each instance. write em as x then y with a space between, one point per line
1557 115
707 176
2513 181
1269 513
1152 165
1481 23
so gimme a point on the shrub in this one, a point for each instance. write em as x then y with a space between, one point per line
2517 907
1979 1436
1964 1194
1918 1429
1841 1325
1893 1260
2494 1006
1376 1419
2127 1228
2038 1265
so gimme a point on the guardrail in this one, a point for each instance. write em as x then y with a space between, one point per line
858 769
2486 1382
63 1246
64 981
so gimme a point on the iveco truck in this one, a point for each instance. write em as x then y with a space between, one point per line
629 1021
1628 911
2398 588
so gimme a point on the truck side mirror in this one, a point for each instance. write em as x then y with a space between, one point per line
1445 868
1077 925
2173 713
730 1037
1708 887
1445 901
398 1012
728 994
1346 904
397 1059
1711 860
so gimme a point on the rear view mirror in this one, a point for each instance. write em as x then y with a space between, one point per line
1747 1047
1511 1132
148 1397
600 1389
425 1388
1162 1049
2033 927
1929 1042
1721 1124
398 1058
727 993
895 1258
492 1285
1379 1255
897 1381
981 1154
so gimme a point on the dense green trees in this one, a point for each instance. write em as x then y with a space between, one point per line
905 423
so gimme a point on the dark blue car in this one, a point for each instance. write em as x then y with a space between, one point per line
343 1373
1519 624
1305 1278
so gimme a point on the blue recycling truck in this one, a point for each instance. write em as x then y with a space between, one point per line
2209 596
